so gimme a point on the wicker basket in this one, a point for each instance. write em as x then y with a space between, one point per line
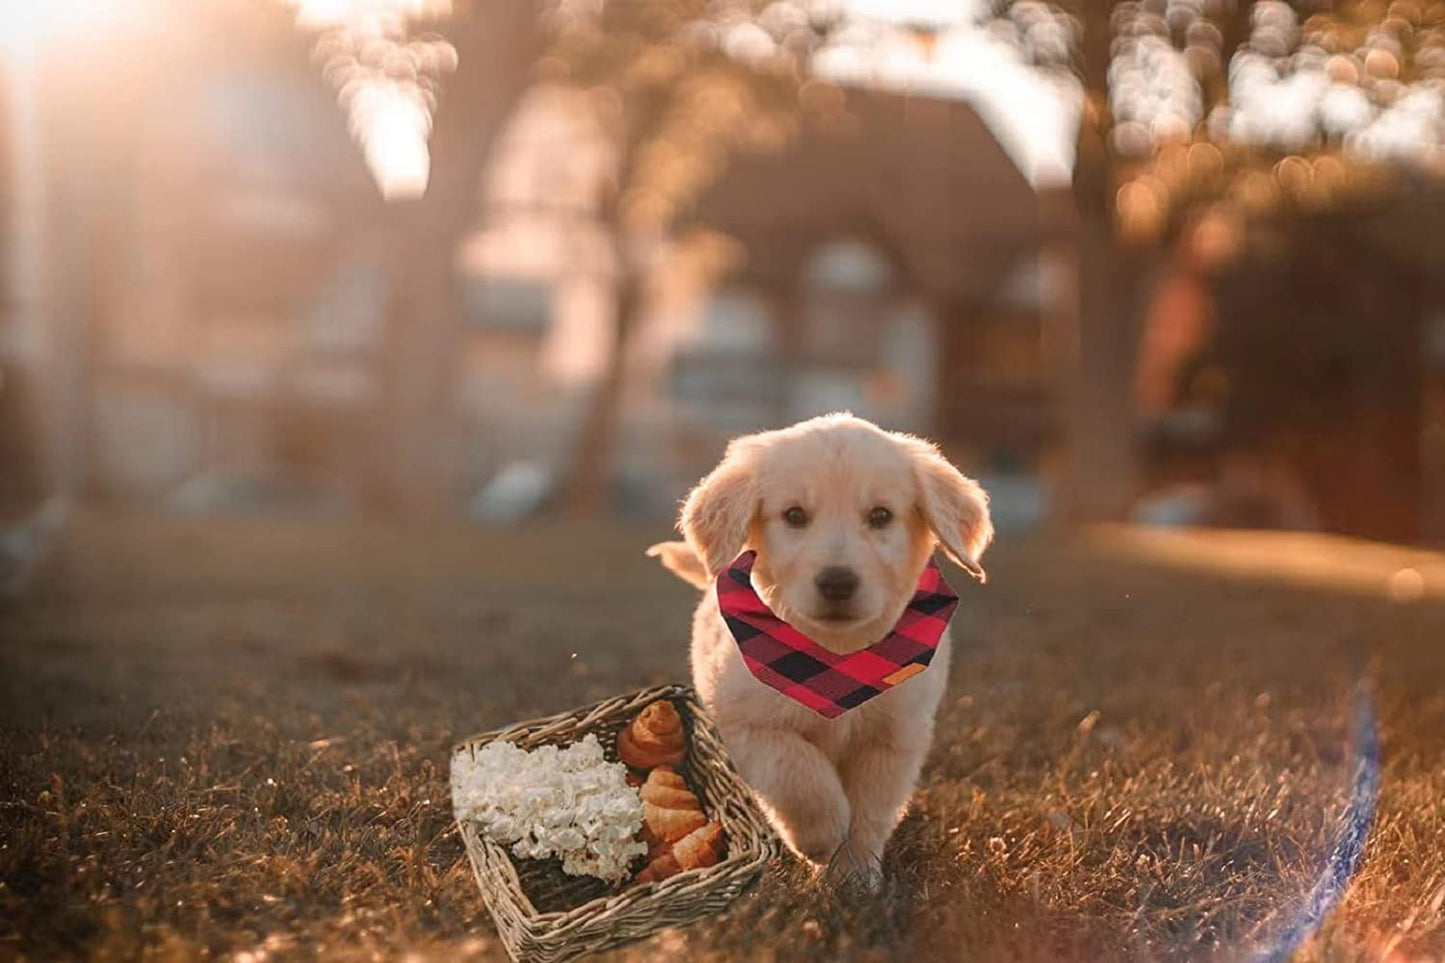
545 916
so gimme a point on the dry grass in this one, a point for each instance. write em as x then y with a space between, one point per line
232 739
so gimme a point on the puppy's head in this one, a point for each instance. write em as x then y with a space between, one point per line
843 516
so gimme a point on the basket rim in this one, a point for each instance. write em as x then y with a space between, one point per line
654 692
752 857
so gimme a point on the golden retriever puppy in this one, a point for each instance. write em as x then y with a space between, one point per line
843 517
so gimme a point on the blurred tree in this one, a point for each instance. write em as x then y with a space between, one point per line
1206 116
680 85
22 483
497 42
426 136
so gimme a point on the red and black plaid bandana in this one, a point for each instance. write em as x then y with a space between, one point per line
828 683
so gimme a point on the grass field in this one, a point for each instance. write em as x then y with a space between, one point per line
232 739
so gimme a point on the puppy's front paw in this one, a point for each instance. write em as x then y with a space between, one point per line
855 870
817 840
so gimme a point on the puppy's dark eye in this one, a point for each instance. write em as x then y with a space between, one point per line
795 517
879 517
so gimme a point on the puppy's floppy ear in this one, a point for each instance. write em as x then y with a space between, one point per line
679 559
717 513
954 506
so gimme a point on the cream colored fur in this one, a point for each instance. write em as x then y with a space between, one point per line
834 789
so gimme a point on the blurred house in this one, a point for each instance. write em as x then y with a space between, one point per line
239 344
894 255
227 339
196 241
888 266
219 325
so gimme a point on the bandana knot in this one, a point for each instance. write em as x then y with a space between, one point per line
780 656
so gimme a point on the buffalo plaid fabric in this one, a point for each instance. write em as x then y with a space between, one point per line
828 683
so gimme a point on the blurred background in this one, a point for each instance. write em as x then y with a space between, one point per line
352 351
1161 260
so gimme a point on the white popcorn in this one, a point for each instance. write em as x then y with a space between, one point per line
569 803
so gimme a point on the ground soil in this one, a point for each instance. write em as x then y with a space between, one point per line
231 738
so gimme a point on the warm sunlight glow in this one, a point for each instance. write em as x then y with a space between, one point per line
359 13
386 82
1305 559
392 129
28 24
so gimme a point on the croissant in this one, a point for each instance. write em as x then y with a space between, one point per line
699 848
654 738
669 809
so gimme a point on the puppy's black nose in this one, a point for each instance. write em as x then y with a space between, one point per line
837 583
